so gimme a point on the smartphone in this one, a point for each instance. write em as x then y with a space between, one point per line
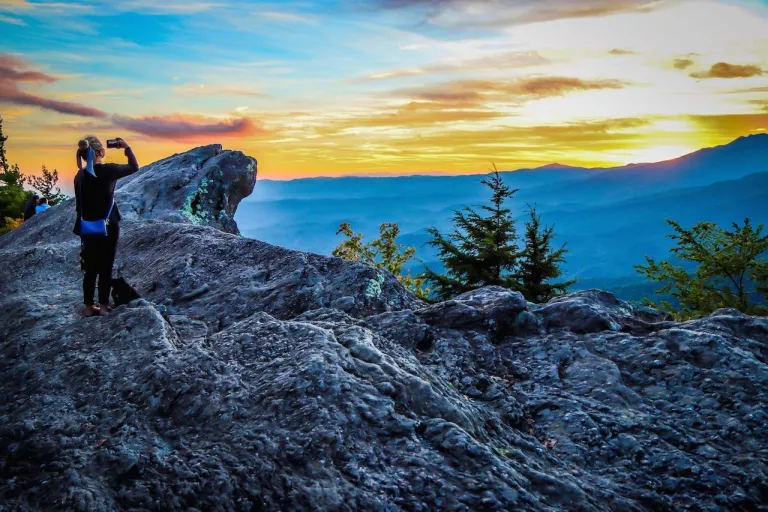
113 143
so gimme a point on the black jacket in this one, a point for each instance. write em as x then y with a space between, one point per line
94 196
29 209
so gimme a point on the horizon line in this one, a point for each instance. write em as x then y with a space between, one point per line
444 174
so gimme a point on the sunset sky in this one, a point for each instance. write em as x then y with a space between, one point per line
383 86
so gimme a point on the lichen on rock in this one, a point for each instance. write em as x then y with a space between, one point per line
373 289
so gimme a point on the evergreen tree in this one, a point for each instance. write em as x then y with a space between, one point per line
3 159
731 270
46 185
384 252
481 250
540 263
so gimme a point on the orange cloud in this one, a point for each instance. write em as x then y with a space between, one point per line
682 63
188 128
729 125
421 113
475 92
557 85
13 70
459 101
725 70
599 134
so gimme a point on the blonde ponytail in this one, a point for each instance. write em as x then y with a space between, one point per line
91 141
87 148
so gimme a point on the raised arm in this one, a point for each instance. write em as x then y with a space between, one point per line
123 170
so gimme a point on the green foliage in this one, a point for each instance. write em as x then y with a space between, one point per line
353 249
46 185
481 250
731 270
13 197
539 263
9 224
384 252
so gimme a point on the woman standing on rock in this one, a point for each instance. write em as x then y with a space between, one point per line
98 218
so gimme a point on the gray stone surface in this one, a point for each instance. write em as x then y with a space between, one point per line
203 186
251 377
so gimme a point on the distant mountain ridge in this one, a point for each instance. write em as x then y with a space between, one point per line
611 218
743 156
750 144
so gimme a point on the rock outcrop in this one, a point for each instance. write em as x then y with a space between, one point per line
251 377
202 186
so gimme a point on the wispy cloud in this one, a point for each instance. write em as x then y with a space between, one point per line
475 92
762 104
208 90
726 70
728 124
11 20
752 89
47 8
682 63
13 68
181 127
285 17
423 114
505 60
13 71
499 13
59 9
461 101
167 7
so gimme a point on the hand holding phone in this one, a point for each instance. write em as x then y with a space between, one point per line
117 143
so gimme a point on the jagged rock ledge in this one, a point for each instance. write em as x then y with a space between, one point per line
203 186
251 377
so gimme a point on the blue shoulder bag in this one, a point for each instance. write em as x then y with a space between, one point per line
91 227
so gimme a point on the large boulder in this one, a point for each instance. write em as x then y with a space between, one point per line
592 311
493 310
202 186
251 377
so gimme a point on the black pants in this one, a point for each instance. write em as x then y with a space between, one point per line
99 257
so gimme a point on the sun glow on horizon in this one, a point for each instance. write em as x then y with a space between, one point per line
657 154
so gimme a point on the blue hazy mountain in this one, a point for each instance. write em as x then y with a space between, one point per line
610 218
743 156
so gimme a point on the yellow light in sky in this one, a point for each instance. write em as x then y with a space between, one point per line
657 154
674 125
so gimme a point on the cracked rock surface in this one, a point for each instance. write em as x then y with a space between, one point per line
251 377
